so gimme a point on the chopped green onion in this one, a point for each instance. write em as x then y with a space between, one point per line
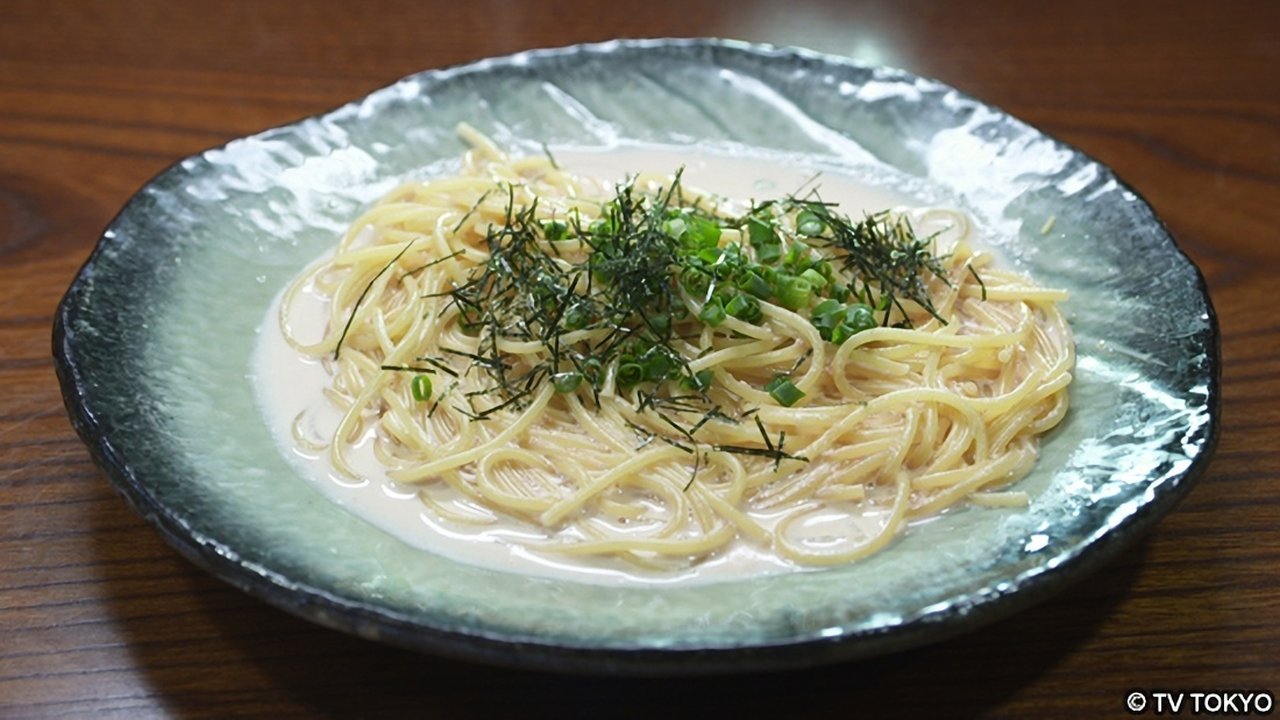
826 308
797 258
656 364
760 232
566 382
809 224
713 313
644 255
591 371
695 280
555 229
769 253
629 375
421 388
744 307
794 292
784 391
753 283
841 332
676 227
859 317
700 380
576 317
814 278
659 323
601 226
828 322
705 233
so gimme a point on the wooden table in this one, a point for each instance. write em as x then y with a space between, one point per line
98 617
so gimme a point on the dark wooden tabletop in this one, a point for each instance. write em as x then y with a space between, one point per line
100 618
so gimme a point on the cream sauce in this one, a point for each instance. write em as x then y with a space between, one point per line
290 386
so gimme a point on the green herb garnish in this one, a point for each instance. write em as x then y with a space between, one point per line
781 389
624 274
420 388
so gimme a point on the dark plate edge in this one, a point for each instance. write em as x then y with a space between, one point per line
377 624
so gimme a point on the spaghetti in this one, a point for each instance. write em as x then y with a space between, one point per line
649 373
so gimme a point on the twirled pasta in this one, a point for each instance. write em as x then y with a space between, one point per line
896 422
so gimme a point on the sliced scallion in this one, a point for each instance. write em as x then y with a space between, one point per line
784 391
420 387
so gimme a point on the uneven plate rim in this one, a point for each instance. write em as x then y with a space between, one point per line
381 624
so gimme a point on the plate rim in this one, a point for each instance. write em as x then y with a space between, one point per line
385 625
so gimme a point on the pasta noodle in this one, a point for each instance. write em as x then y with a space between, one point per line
769 423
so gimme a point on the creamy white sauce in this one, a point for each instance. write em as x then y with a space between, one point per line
290 385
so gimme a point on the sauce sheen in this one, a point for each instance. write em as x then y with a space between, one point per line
290 387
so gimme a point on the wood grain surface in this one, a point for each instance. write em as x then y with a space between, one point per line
99 618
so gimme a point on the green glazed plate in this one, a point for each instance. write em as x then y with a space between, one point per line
153 339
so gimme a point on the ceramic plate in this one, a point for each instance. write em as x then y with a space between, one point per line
154 336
